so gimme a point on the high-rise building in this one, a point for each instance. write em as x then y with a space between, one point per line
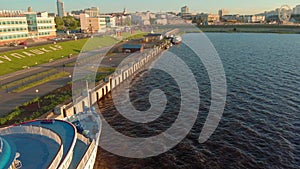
92 12
185 9
60 8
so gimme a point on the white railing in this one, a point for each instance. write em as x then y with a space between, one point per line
138 61
1 145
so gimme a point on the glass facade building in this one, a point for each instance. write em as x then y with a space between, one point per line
29 26
60 8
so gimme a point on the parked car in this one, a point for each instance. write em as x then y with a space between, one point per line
23 43
13 44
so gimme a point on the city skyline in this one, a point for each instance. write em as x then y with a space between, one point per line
233 6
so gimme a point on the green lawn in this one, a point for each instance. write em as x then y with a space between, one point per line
10 63
98 42
63 50
136 35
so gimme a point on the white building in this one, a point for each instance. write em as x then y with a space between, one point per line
123 20
161 21
254 18
29 25
296 10
92 12
7 13
213 18
141 18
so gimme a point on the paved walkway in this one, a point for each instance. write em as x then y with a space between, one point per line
9 100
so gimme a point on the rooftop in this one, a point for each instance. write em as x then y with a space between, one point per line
153 34
131 46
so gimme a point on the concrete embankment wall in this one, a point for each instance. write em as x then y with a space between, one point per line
110 83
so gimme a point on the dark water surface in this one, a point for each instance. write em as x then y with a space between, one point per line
260 127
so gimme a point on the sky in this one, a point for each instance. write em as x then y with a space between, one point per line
206 6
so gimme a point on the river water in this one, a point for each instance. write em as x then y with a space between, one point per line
260 127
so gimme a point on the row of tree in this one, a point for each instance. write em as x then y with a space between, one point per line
67 23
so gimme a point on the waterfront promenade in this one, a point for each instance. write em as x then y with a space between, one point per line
10 100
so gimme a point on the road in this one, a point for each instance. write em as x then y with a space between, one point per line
9 100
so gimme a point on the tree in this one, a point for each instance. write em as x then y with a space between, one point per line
59 23
71 23
67 23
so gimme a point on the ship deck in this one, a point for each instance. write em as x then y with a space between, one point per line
63 129
38 152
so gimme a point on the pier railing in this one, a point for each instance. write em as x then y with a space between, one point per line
137 61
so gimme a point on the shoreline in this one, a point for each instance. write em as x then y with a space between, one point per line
278 29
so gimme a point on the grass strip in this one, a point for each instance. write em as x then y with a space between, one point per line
29 78
29 110
42 81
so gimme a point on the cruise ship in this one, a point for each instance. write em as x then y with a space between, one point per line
52 143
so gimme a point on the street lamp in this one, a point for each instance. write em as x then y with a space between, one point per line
37 91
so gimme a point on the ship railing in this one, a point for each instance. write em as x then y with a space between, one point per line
87 155
1 145
83 139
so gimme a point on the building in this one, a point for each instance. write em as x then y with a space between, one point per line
161 21
223 12
29 25
51 15
11 13
70 143
92 12
131 48
122 19
208 19
96 24
153 37
177 21
185 9
296 10
231 18
60 8
212 18
253 18
141 18
91 25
